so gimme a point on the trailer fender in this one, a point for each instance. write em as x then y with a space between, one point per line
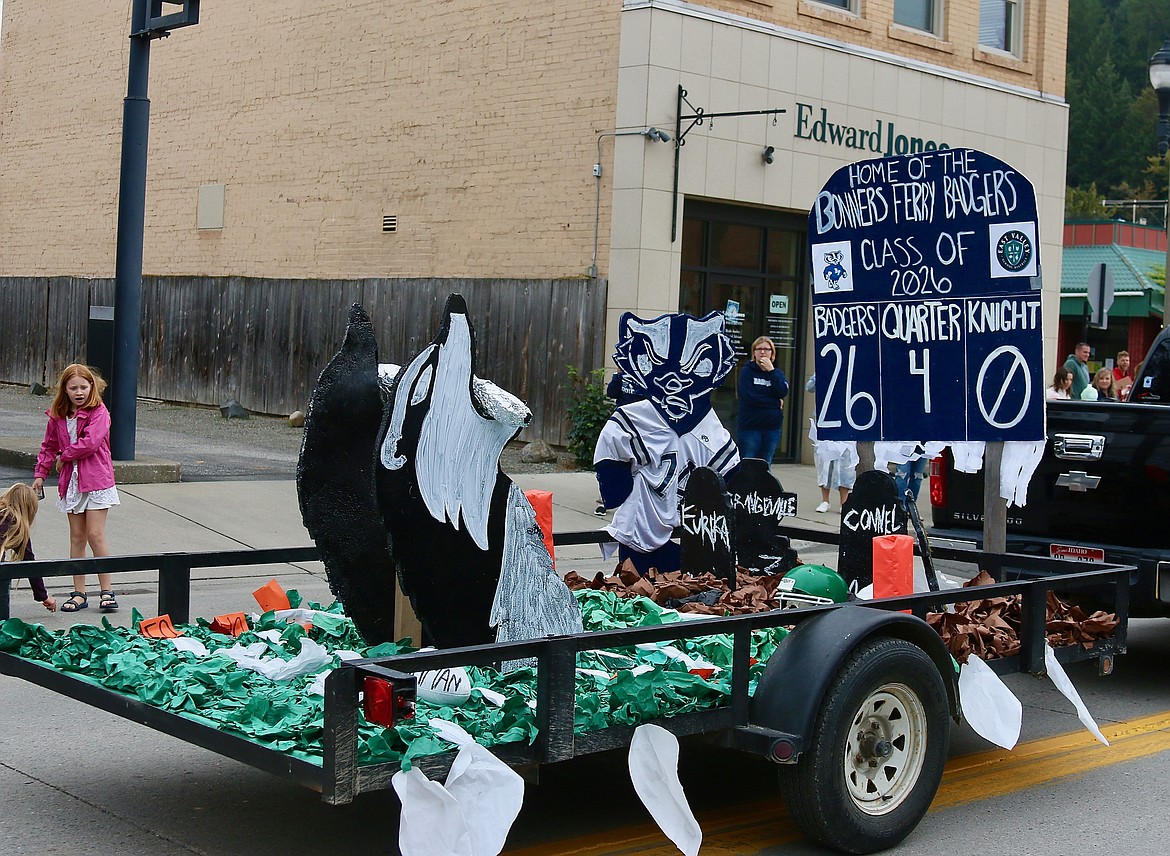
797 676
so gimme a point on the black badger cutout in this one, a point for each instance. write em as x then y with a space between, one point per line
463 538
335 482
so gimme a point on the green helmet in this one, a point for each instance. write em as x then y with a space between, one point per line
811 585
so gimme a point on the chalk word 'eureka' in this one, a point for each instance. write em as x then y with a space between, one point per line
711 528
882 139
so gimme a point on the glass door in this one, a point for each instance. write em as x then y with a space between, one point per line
750 265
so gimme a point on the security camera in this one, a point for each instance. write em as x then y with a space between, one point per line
769 151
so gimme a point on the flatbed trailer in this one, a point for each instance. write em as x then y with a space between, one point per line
821 709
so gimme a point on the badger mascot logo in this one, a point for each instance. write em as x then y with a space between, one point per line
399 475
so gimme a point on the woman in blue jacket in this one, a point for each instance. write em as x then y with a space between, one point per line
762 390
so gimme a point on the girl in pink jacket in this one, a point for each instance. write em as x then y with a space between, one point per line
79 433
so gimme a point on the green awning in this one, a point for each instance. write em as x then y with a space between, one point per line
1136 295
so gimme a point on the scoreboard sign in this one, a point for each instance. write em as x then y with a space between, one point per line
926 301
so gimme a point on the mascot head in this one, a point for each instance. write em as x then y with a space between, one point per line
676 361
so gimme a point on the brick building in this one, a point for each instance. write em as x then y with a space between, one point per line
452 146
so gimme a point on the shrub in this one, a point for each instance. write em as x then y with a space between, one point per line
587 412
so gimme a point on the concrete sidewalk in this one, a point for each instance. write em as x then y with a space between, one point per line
249 514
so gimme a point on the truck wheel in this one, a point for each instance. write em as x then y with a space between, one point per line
876 757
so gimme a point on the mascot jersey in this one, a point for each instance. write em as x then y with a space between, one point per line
638 445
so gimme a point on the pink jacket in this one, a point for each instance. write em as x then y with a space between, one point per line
90 454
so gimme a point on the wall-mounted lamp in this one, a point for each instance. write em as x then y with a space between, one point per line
768 153
655 135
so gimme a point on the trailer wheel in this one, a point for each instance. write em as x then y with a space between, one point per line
876 757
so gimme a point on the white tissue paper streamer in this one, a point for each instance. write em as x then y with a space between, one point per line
968 456
654 773
301 614
431 822
675 654
318 685
1060 678
312 658
469 815
990 708
186 643
491 695
1020 459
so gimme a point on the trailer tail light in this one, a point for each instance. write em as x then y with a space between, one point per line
783 751
385 705
938 481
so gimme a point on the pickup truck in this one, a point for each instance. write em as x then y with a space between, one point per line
1100 494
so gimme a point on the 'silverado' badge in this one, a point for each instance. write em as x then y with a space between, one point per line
1014 251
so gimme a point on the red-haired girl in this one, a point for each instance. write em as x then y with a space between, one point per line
79 432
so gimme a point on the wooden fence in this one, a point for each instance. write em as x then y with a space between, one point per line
264 341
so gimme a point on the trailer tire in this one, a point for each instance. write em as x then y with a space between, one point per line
876 756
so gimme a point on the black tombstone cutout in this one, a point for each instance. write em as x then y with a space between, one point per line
761 505
335 482
708 526
871 510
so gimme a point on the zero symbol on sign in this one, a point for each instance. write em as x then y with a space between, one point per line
1018 364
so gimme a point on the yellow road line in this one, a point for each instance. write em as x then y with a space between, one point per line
751 828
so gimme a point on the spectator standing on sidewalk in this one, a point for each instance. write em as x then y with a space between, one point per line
18 509
762 389
836 461
1078 364
79 433
1122 375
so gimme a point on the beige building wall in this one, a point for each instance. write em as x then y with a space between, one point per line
1040 65
476 125
731 63
473 123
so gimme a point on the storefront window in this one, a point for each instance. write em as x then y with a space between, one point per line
735 246
784 252
692 242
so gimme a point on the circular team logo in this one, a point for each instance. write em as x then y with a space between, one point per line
1014 250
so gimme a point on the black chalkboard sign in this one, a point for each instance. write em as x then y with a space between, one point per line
760 505
708 527
871 510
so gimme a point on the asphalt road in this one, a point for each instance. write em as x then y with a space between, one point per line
74 779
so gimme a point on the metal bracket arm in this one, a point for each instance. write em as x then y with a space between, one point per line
698 117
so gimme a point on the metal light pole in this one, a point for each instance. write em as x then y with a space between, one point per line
1160 80
147 23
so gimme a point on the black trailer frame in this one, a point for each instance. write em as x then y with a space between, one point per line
340 778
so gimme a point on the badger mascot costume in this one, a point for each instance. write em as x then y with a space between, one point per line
648 448
399 475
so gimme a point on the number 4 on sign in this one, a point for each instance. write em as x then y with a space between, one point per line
924 371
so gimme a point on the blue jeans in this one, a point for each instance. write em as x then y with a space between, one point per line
759 444
909 476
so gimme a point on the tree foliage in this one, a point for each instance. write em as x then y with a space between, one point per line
1112 109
